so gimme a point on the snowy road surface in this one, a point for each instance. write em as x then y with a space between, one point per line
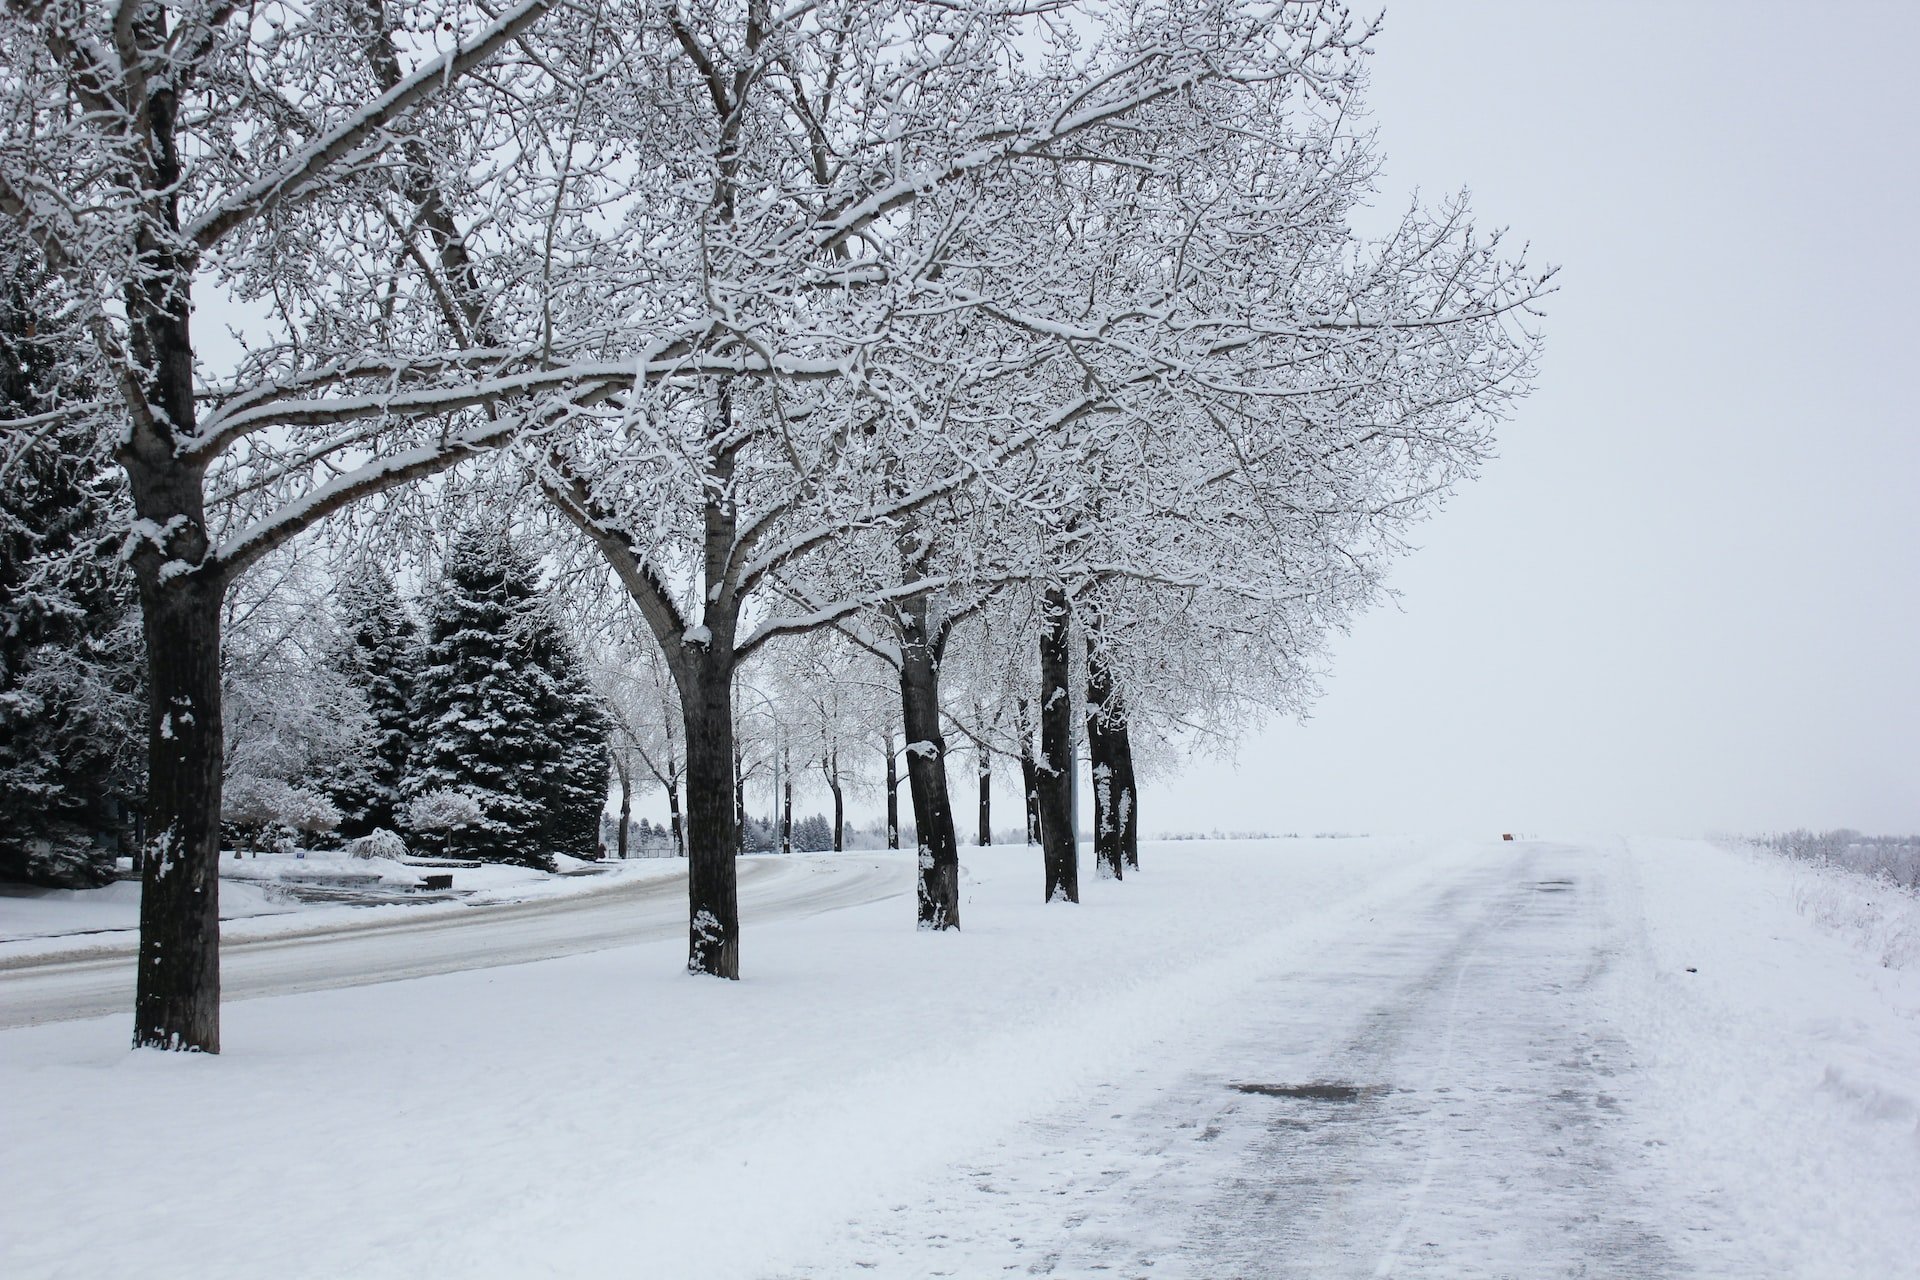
393 947
1435 1094
1349 1058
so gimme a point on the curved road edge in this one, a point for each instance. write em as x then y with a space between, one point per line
66 986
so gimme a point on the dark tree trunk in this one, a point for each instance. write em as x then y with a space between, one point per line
893 794
713 905
739 801
985 768
673 814
1123 770
176 1003
1054 769
786 801
1029 778
832 763
626 810
1112 805
939 847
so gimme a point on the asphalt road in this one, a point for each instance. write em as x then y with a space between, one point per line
348 954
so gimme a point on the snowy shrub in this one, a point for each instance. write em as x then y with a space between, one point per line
252 804
1874 915
1864 888
378 843
310 812
251 801
442 809
1894 859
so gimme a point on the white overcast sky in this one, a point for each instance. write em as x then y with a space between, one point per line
1684 599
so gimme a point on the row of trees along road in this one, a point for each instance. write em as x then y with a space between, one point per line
931 323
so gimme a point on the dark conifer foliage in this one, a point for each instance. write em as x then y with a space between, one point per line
512 761
379 652
70 689
577 782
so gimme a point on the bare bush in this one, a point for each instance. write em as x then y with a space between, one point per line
1894 860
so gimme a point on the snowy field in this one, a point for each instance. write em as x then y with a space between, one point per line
1265 1058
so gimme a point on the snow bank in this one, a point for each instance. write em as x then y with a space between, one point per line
1881 919
1783 1067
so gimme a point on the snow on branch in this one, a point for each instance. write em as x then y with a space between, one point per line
360 135
282 525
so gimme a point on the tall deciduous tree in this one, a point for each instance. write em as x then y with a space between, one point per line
845 156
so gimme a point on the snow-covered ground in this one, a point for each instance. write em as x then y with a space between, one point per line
1262 1058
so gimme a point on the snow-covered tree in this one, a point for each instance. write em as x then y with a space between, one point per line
254 805
505 719
322 166
643 729
70 693
378 652
296 729
825 194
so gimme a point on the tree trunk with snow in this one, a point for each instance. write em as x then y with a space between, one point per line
1112 797
893 791
984 767
176 1002
713 904
831 766
673 815
739 800
1122 739
1053 770
626 805
786 801
938 846
1029 777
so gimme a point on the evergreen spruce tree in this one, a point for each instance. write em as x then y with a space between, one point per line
70 688
577 795
511 741
379 654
